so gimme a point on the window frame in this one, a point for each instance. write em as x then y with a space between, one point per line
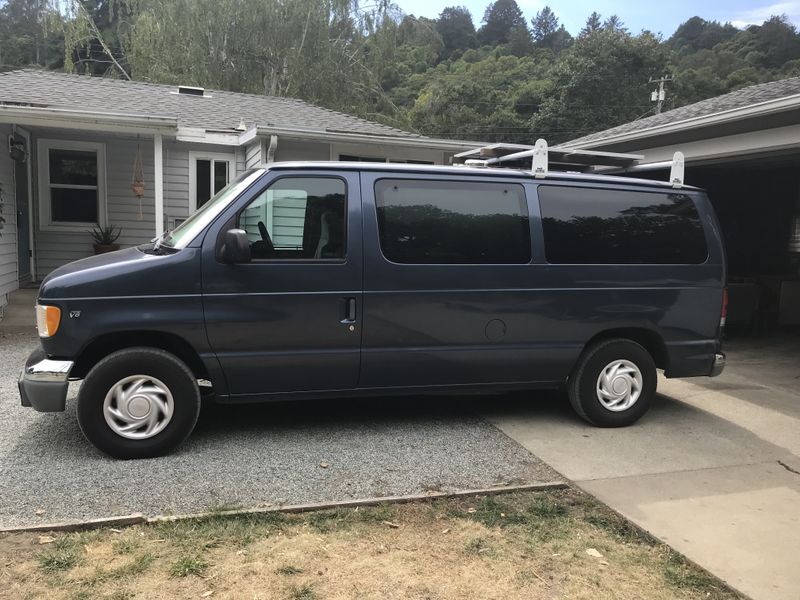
46 222
529 215
295 261
196 155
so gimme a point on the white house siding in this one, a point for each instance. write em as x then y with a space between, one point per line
8 234
289 150
56 248
253 154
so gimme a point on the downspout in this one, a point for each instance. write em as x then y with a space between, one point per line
271 149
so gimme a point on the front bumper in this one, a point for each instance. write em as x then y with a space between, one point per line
719 364
43 382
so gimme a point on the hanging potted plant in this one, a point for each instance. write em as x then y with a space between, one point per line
105 238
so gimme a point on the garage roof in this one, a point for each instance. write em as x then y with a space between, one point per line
763 95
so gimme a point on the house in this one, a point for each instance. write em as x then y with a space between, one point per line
72 147
744 149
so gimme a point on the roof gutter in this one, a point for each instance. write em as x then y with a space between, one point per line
735 114
86 120
335 136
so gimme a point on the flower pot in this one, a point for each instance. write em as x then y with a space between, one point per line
138 188
103 248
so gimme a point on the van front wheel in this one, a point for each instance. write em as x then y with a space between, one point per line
138 403
613 383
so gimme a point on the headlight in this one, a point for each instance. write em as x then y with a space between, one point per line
48 319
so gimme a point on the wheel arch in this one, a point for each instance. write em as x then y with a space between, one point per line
649 339
105 344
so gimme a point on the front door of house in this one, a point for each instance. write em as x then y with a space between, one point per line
23 213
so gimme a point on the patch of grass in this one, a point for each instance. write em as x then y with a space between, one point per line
618 527
327 521
288 570
686 577
136 567
546 508
216 530
188 565
305 592
221 508
490 513
478 546
64 554
125 545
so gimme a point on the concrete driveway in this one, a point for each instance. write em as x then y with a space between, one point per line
713 469
249 456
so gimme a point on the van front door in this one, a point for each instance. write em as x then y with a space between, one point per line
289 321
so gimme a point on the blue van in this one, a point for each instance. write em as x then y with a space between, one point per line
327 280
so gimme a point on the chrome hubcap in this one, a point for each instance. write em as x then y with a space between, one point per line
138 407
619 385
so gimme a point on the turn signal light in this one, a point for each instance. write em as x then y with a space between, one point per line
48 318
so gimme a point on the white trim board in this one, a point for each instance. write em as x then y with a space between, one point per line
43 168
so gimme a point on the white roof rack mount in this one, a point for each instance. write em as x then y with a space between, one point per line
545 159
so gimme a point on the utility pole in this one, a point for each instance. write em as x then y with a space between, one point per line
658 96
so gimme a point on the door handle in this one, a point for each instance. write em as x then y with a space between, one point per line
349 310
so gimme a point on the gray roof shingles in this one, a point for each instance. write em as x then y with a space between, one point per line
218 110
753 94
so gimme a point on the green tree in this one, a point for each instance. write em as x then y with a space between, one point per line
593 23
499 20
457 29
30 35
600 82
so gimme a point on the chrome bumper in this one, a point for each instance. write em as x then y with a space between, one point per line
43 382
719 364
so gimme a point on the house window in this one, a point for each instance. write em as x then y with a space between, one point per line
72 182
209 174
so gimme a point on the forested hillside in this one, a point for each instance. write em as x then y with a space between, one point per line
509 79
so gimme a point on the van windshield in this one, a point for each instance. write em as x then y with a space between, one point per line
183 234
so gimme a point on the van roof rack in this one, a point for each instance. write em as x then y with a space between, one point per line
544 159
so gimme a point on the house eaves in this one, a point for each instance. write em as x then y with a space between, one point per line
64 118
342 136
760 109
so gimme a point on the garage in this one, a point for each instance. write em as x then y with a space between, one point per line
744 149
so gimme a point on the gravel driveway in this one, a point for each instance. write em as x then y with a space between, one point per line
249 456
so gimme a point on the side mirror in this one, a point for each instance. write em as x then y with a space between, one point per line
236 248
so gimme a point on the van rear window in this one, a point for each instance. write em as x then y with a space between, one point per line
426 222
598 226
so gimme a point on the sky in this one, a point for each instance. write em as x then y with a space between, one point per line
659 17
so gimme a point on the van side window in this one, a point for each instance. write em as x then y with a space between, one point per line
599 226
424 222
297 217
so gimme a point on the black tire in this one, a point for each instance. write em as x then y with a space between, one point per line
165 367
583 383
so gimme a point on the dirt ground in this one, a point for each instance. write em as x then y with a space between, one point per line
554 544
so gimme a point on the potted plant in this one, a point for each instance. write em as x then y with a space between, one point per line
105 238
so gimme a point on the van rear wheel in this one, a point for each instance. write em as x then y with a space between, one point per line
138 403
613 383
